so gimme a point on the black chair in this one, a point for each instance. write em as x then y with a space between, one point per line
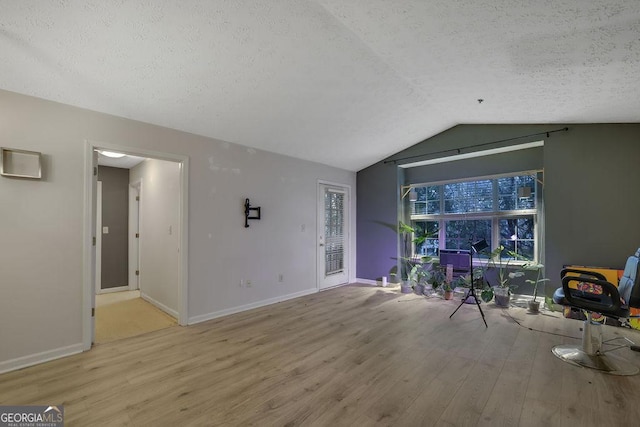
594 294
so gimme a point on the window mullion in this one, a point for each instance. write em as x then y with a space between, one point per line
441 222
496 207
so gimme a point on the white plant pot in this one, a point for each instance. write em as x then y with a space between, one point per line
501 296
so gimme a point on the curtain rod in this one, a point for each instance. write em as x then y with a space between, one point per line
458 150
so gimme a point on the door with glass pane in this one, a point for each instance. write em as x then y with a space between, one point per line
333 236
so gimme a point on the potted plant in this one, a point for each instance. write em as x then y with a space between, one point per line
534 305
418 277
502 288
413 269
483 289
448 290
437 279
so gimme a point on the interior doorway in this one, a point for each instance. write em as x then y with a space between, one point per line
115 212
157 280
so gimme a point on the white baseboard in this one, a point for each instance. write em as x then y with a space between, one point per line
377 283
245 307
109 290
35 359
335 286
169 311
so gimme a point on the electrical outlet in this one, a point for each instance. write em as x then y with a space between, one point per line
280 278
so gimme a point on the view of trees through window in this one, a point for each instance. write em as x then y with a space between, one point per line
500 210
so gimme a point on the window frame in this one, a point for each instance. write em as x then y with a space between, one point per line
494 215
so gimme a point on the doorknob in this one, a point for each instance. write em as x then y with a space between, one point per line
321 244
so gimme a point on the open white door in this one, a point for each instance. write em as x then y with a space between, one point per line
333 235
134 236
94 213
98 231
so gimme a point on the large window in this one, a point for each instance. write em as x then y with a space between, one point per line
501 210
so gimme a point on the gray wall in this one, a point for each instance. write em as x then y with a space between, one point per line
115 215
159 232
377 213
592 198
591 174
43 220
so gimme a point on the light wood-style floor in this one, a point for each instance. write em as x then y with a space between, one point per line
352 356
125 314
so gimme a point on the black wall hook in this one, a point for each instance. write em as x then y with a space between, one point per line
248 210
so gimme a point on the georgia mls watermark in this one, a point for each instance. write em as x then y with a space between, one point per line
32 416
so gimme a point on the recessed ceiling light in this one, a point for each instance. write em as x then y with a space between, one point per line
112 154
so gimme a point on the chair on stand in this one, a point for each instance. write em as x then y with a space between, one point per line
594 294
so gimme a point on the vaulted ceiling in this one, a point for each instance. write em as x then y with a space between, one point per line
341 82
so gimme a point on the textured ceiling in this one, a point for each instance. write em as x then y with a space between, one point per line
344 83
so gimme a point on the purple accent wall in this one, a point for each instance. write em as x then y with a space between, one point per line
591 175
377 209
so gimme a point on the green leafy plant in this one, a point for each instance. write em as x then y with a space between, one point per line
420 272
478 277
487 294
461 281
497 262
409 236
538 269
438 278
548 302
415 269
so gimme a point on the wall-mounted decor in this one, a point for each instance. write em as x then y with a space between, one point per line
20 163
250 213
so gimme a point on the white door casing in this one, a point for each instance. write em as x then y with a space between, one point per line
134 236
94 254
98 231
89 232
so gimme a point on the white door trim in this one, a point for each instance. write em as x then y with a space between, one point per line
99 237
135 189
88 270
